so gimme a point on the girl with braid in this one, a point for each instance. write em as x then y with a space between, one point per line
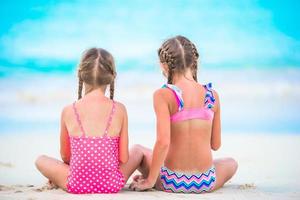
188 128
94 134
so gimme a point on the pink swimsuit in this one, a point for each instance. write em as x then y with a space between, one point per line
204 112
94 164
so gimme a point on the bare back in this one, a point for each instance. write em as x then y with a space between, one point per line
190 139
94 114
94 111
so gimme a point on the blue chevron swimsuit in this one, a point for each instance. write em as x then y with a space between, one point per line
187 183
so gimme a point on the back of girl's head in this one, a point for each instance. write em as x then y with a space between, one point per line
180 54
96 68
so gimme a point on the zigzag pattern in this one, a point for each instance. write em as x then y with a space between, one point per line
177 182
178 95
208 101
209 96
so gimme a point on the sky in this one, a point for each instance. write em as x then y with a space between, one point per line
51 35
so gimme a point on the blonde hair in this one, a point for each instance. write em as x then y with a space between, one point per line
96 68
179 53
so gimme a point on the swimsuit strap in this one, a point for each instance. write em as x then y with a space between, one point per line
110 117
78 119
209 100
177 93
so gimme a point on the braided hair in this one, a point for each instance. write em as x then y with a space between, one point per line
179 53
80 85
195 59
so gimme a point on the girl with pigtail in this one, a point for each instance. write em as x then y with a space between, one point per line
188 128
94 134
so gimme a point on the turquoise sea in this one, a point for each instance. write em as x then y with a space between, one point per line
251 57
253 100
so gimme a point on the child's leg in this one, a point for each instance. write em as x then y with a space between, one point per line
139 158
225 169
55 170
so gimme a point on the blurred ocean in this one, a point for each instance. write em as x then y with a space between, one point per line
251 57
253 100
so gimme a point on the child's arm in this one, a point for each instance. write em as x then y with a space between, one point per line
162 136
216 126
65 151
124 154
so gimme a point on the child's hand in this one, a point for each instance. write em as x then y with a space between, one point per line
140 184
137 177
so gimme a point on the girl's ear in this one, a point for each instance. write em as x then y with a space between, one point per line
164 68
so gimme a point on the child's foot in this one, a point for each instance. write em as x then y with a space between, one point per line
50 185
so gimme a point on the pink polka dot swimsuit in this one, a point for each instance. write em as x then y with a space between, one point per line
94 164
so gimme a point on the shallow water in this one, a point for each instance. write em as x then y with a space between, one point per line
252 100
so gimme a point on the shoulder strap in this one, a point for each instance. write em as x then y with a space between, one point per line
78 119
209 100
177 93
110 118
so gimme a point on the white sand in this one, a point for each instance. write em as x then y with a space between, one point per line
269 168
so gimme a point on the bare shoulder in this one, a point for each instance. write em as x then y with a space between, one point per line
67 111
121 107
215 93
217 99
162 93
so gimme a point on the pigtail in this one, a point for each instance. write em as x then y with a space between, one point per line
112 90
195 61
166 57
195 75
170 63
170 76
80 85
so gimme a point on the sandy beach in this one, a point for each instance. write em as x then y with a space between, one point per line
266 171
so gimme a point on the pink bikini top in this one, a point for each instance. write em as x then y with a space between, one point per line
204 113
